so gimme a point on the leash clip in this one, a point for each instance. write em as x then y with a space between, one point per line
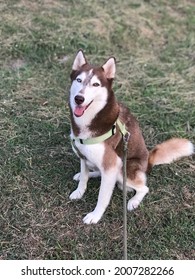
126 139
126 136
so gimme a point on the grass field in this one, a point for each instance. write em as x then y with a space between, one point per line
154 44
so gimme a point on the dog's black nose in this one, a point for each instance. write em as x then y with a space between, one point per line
79 99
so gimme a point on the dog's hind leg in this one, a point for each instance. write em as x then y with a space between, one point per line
139 185
141 191
84 176
136 180
92 174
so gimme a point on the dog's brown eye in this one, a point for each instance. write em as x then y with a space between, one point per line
78 80
96 84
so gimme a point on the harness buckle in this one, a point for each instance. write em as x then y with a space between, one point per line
126 136
113 129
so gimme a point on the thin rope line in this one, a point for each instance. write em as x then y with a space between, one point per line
125 139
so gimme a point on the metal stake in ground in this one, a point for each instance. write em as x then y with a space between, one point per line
125 149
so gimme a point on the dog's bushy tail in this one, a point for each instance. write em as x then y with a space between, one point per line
170 151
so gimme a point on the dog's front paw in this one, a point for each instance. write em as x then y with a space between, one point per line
77 176
91 218
132 204
77 194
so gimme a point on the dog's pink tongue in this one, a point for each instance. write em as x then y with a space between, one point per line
79 111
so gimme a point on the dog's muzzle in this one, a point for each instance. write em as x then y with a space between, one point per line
79 99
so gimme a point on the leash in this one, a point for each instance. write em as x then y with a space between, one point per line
125 149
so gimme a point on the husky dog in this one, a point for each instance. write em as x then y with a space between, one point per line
97 125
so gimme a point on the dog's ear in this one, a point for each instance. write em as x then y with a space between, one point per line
110 68
79 61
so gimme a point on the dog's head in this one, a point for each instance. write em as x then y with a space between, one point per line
90 85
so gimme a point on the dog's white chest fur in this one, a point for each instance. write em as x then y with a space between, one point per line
93 153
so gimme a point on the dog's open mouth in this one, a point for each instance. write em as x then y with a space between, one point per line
79 109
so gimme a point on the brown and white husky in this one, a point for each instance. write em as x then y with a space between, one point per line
97 138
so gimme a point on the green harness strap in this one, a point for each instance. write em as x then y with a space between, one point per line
105 136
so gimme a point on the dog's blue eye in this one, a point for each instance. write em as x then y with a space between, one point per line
96 84
79 80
